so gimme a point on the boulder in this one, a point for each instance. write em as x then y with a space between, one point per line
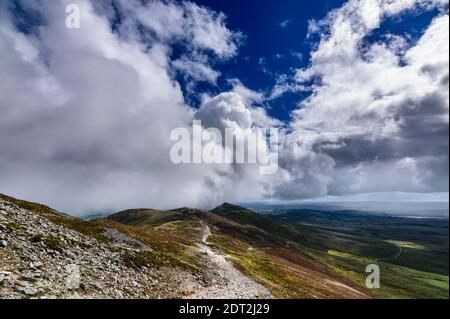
29 291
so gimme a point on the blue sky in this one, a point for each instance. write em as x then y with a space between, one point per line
276 42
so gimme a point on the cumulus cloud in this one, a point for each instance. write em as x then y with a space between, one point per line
87 113
171 22
377 117
236 111
285 84
196 70
200 33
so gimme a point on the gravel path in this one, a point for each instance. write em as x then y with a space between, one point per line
231 284
397 255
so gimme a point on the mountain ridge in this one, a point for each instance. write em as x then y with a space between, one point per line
145 253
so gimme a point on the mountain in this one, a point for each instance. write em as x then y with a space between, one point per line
229 252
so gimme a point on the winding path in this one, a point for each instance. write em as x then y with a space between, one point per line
230 282
399 253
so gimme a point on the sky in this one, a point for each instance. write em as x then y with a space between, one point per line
358 90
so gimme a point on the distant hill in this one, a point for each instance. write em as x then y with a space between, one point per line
246 216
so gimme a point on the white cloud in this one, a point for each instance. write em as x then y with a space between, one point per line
297 55
170 22
286 84
231 110
225 110
87 113
377 119
196 70
285 23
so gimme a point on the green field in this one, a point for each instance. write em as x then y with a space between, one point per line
412 253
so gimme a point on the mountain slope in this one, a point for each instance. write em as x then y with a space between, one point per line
144 253
44 248
256 245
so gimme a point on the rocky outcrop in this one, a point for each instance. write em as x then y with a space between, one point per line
41 259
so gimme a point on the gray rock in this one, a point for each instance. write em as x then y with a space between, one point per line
85 268
73 278
30 291
36 264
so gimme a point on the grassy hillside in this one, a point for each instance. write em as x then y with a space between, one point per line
260 247
412 253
